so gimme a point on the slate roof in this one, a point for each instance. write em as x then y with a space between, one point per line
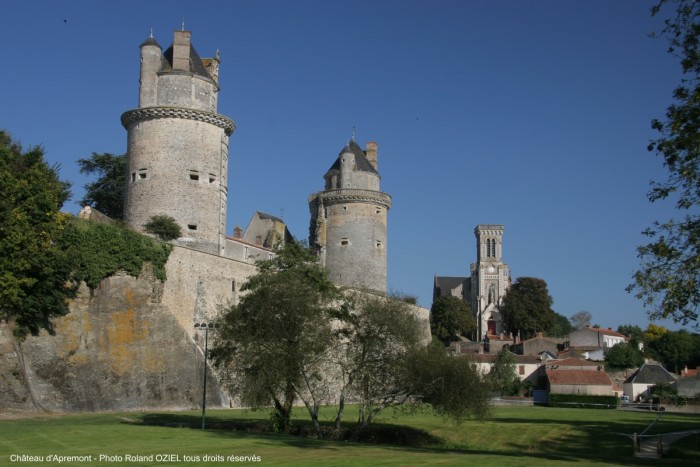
651 373
579 377
150 41
265 216
361 162
449 283
196 65
569 362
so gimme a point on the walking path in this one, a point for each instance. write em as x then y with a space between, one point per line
649 447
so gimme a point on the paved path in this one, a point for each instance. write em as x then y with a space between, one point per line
649 446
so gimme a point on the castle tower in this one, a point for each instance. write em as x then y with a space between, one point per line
349 220
490 279
177 145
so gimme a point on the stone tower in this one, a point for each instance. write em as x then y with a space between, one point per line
490 279
349 220
177 145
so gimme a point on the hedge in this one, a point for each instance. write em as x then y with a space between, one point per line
583 401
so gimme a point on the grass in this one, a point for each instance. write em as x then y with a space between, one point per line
517 436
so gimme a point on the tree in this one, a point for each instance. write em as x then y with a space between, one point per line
34 273
451 317
581 319
673 349
527 307
622 356
503 378
634 332
164 227
668 280
273 345
451 385
106 194
378 335
561 327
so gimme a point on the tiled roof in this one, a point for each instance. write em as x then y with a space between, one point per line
573 362
580 377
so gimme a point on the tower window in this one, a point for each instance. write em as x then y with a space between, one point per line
379 244
233 286
194 175
192 226
133 176
344 241
142 174
212 178
377 211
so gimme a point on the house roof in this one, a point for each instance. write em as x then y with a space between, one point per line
361 162
449 282
491 358
265 216
607 332
571 362
578 377
651 373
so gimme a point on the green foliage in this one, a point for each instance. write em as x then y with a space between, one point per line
634 332
106 194
668 280
163 227
561 327
449 384
673 349
503 378
586 401
94 251
271 345
451 317
527 307
623 356
33 273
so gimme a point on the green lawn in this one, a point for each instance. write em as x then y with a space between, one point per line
513 436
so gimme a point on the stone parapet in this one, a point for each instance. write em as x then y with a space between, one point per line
149 113
350 195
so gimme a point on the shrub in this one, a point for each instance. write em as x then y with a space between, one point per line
583 401
163 227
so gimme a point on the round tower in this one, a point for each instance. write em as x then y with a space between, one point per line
349 220
177 144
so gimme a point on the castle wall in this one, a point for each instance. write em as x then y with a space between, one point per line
356 246
178 167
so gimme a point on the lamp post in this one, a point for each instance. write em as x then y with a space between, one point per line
206 327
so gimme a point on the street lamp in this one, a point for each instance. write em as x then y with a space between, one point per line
205 327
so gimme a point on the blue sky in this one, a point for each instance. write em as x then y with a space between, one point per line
531 114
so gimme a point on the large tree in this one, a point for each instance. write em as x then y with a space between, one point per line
622 356
581 319
503 378
106 194
527 307
34 273
561 326
668 281
377 336
674 349
451 317
273 346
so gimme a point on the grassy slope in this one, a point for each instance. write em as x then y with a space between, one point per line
514 436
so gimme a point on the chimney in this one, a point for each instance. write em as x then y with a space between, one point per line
181 51
238 232
371 153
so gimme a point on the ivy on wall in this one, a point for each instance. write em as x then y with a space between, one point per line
95 251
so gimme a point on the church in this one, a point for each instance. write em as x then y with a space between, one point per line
485 288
